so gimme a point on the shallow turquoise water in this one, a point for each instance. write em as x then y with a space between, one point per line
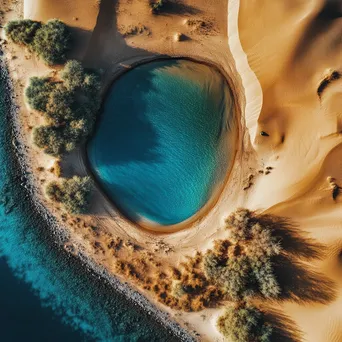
44 294
162 144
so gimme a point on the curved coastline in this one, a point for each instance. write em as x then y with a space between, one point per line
216 193
58 235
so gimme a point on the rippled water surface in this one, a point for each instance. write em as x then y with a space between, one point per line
44 294
162 145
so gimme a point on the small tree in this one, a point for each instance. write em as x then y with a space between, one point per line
59 106
70 107
52 41
50 139
245 268
54 192
239 224
73 193
244 324
38 92
22 31
91 84
73 75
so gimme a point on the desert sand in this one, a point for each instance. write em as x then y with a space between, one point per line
275 54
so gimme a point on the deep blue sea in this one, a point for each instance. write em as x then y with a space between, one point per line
45 295
161 144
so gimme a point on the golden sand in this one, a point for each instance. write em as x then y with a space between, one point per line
277 54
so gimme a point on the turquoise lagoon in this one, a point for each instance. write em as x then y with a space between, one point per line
46 295
165 140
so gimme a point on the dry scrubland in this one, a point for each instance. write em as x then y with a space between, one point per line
269 273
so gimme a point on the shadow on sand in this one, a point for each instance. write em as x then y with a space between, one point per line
298 281
284 329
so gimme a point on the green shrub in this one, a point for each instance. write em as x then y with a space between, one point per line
52 41
59 106
245 268
264 243
50 139
73 75
22 31
79 129
235 278
264 275
38 93
73 193
213 265
54 192
70 107
238 224
91 83
244 324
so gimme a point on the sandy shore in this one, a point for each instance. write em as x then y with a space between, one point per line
107 49
61 234
276 55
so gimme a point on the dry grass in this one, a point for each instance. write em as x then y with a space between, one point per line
135 30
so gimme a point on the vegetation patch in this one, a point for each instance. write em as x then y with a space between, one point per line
201 26
22 31
73 193
135 30
243 266
244 323
246 268
233 271
50 41
69 104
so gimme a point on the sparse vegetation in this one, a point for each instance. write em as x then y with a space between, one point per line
133 30
201 26
69 106
73 193
50 41
234 270
244 324
244 267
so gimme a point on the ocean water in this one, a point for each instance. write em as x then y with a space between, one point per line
163 142
46 295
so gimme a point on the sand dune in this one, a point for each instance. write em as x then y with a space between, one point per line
292 47
284 63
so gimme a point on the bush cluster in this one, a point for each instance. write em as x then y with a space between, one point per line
245 267
50 41
244 324
38 92
69 106
73 193
22 31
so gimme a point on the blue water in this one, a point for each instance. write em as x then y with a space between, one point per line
161 145
46 295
